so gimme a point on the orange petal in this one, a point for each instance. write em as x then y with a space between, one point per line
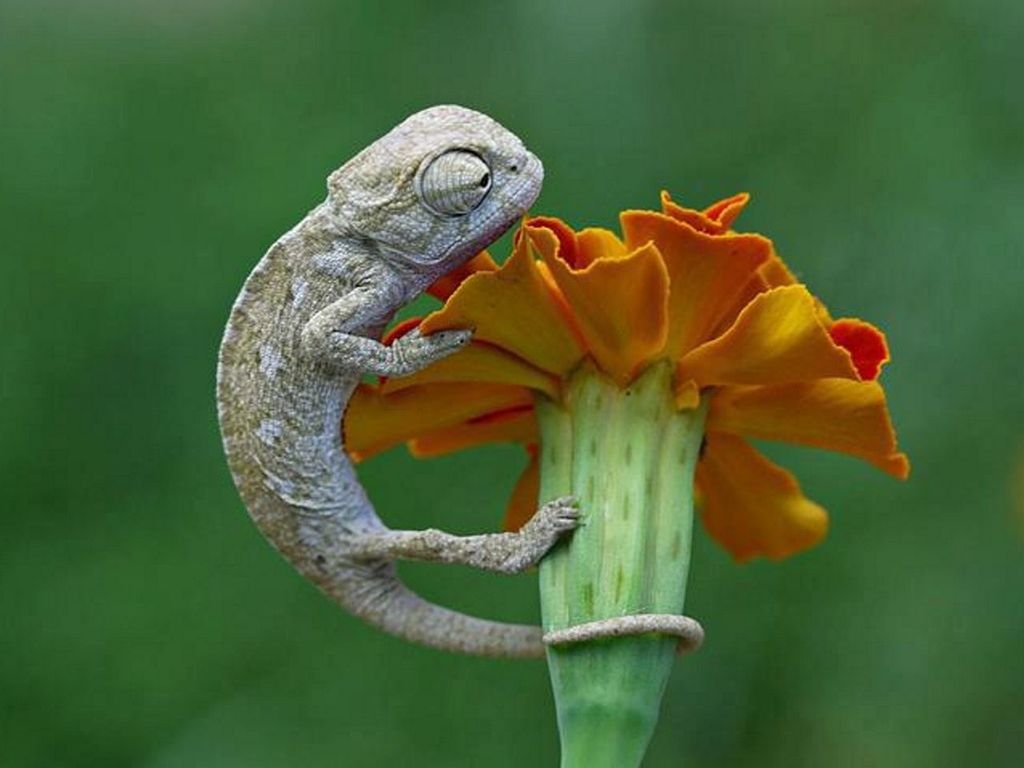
479 362
716 219
706 273
725 211
515 309
865 343
753 506
375 422
523 503
564 243
445 285
620 306
515 425
834 414
777 338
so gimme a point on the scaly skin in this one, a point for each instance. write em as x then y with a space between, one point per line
305 329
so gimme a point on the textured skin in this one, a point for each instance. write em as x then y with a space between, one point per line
304 331
689 631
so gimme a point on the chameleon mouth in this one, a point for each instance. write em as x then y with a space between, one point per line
524 193
516 200
533 177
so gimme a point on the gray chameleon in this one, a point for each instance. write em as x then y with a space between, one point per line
305 329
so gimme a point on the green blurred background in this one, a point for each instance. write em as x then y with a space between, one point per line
151 151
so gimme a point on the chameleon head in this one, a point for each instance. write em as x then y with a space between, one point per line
437 189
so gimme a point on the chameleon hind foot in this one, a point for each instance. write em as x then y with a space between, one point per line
498 552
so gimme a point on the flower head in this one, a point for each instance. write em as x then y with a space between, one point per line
677 285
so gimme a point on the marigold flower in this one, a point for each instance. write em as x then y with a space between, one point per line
633 367
679 287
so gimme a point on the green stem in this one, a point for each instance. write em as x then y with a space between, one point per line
629 457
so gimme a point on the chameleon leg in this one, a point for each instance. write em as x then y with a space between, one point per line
500 552
329 338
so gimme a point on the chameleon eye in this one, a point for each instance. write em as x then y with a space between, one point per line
455 183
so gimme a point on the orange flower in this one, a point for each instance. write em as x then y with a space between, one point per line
680 285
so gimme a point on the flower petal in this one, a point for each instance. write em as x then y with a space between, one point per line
773 273
706 273
834 414
620 306
865 343
564 243
714 220
725 211
445 285
752 506
514 425
479 362
686 393
777 338
375 422
515 309
522 505
596 243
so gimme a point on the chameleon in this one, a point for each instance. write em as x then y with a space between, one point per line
304 331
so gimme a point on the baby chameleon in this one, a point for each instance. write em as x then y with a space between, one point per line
305 329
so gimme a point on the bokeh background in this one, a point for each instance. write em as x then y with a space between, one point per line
151 151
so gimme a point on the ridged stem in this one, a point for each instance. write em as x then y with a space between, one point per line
629 456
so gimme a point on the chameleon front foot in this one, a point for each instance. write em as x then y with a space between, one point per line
414 351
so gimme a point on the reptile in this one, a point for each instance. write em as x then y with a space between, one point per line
304 331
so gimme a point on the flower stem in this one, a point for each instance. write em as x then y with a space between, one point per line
629 456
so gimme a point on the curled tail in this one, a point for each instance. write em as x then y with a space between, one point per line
379 598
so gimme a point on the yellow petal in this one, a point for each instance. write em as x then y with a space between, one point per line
516 425
513 308
480 362
523 503
777 338
687 394
773 273
596 243
706 273
754 507
620 306
375 422
834 414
